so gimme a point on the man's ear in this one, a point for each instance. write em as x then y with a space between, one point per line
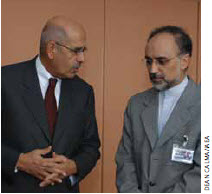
50 49
185 61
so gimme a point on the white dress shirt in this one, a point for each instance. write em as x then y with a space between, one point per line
167 102
44 76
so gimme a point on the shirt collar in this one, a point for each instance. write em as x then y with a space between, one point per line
41 70
178 89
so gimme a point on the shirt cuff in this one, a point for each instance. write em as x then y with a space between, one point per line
73 179
16 168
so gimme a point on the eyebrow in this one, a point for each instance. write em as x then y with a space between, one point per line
160 57
80 48
147 57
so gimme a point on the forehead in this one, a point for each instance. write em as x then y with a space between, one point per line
162 44
77 38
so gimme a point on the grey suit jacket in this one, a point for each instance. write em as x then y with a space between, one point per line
143 161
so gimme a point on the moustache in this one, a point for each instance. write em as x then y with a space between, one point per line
76 66
155 76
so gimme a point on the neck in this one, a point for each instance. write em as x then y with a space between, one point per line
46 63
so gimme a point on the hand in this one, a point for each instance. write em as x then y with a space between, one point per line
64 164
33 163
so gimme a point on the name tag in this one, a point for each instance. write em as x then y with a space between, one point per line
183 155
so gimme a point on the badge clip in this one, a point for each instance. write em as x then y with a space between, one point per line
185 142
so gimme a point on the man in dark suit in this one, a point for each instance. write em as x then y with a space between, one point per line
49 133
160 150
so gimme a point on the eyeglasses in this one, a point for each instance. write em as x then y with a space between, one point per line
160 61
76 50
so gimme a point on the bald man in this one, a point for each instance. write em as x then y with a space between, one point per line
49 133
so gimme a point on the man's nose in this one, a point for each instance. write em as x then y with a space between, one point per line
154 67
80 57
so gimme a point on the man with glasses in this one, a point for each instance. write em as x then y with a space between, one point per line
50 139
160 147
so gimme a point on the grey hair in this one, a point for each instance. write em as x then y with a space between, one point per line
52 32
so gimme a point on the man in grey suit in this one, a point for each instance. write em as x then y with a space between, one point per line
160 147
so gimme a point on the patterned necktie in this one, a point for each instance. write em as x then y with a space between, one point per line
51 106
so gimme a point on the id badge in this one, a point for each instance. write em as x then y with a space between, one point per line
180 154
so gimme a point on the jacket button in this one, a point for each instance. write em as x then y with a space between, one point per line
151 184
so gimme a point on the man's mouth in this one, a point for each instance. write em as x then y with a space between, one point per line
75 70
156 78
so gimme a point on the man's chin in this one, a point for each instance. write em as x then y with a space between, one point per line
72 73
68 76
71 76
160 87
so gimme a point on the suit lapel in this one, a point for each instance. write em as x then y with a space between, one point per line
33 99
66 106
180 115
149 117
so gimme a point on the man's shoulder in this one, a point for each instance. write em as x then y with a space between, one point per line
192 93
15 68
12 75
143 95
141 99
80 84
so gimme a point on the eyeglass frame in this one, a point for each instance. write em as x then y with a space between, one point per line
163 61
77 50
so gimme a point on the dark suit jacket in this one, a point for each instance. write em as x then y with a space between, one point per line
143 161
25 128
